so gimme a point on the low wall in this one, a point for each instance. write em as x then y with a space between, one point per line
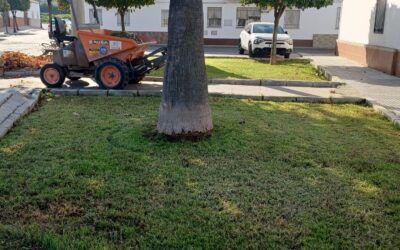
380 58
324 41
20 21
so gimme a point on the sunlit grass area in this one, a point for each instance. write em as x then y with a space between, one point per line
231 68
90 173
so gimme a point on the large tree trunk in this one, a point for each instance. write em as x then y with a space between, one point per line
184 109
278 11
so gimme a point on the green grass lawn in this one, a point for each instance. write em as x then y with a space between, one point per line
87 172
229 68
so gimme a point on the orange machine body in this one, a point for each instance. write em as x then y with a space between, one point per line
99 44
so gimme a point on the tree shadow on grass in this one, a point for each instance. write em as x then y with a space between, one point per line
214 72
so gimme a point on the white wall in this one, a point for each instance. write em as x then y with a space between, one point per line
358 26
34 14
312 21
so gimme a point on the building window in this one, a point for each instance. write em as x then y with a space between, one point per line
127 19
292 19
164 18
338 16
380 16
214 16
245 15
99 14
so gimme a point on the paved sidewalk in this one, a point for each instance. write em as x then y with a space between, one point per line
382 90
15 103
27 40
223 89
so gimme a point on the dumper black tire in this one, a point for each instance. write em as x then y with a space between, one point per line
112 73
52 75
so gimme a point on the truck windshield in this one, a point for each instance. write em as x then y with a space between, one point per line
266 28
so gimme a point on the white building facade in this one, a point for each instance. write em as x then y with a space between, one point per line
371 36
27 18
224 20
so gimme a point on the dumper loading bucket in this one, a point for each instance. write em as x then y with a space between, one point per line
100 44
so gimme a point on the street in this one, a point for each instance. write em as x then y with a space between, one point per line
29 41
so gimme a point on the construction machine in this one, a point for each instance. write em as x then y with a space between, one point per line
93 52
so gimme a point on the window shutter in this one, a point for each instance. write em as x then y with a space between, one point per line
292 19
245 15
380 16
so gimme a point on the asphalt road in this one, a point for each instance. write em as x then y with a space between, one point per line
29 41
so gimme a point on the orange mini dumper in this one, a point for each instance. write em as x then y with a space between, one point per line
112 61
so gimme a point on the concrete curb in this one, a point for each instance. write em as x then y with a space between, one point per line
248 82
384 111
21 73
146 93
24 109
327 74
257 82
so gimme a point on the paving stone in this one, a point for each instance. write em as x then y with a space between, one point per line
115 92
64 92
92 92
149 92
280 98
236 82
252 97
300 84
272 83
17 105
326 84
4 96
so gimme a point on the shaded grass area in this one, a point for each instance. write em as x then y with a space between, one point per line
83 172
229 68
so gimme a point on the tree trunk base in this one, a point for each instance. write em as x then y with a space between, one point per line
196 136
181 122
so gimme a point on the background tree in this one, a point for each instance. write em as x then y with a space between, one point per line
50 8
279 6
4 8
123 6
63 5
18 5
94 4
184 109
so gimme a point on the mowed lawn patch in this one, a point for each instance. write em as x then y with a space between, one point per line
89 172
231 68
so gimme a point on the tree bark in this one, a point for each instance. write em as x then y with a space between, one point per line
5 20
184 109
122 15
95 14
278 11
50 9
14 14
